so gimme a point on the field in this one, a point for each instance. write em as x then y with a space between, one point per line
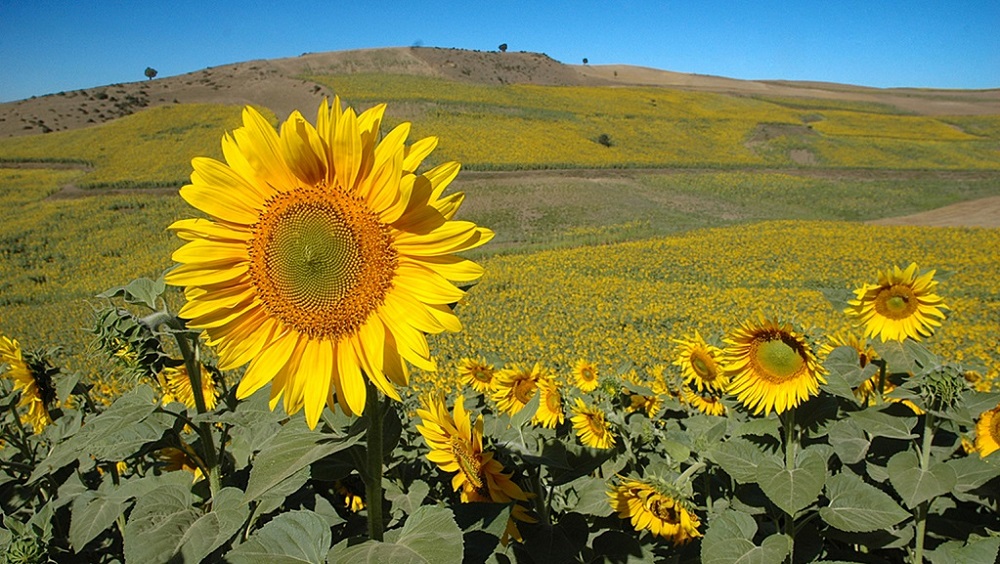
626 217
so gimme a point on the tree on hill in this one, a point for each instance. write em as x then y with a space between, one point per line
585 60
150 73
503 47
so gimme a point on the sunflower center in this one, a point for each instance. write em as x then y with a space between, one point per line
524 390
553 401
321 261
995 428
703 366
482 374
896 302
470 464
778 360
588 374
665 509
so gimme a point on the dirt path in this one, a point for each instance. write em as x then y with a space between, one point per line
984 212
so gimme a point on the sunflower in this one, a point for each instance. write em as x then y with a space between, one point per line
585 376
699 362
657 508
176 386
771 367
591 426
867 394
457 446
184 458
550 405
478 374
325 259
515 386
704 401
640 402
33 379
351 491
901 305
988 432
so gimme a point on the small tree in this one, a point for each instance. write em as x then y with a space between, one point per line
150 73
585 60
503 47
604 139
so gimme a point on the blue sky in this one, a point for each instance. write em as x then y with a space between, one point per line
51 46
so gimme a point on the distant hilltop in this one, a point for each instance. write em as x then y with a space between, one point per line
278 84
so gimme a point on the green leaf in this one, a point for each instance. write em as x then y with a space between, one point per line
848 441
407 503
157 525
91 514
429 535
977 549
729 540
114 435
523 417
592 495
290 538
915 484
857 507
792 489
881 424
214 528
292 449
65 386
740 459
845 372
905 356
620 547
139 291
972 472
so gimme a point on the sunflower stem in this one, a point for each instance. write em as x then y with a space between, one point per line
921 514
373 485
791 442
193 366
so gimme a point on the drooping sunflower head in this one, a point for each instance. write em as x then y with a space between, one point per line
771 366
591 426
699 363
705 401
176 385
477 373
656 507
903 304
457 446
183 458
326 257
550 405
32 377
988 432
516 385
585 376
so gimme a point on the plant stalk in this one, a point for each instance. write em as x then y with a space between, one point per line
373 486
791 444
921 515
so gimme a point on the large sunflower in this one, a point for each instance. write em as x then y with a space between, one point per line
903 304
457 446
34 383
655 507
325 257
771 367
592 428
988 432
699 362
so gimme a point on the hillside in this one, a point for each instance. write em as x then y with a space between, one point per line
278 84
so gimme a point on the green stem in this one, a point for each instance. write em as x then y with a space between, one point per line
921 513
373 486
791 442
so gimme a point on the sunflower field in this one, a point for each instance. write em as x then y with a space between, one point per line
319 358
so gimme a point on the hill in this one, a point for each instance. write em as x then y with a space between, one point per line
279 84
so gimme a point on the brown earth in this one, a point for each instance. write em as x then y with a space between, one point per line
274 84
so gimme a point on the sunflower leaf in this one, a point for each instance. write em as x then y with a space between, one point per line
290 538
729 540
849 441
915 484
429 535
972 472
881 424
793 489
740 459
977 549
858 507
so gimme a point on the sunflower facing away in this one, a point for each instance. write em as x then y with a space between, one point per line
550 405
477 373
585 376
704 401
771 367
591 427
176 386
326 258
457 446
988 432
34 383
654 507
699 363
516 385
903 304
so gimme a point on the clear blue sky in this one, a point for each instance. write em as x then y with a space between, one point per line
50 46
